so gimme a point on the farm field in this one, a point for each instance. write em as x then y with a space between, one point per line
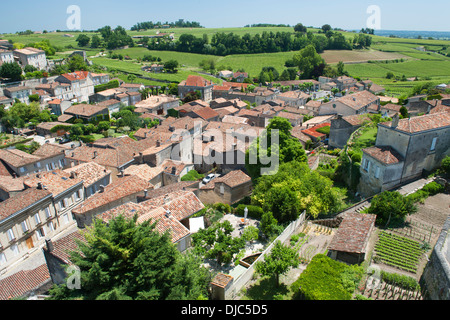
427 66
358 56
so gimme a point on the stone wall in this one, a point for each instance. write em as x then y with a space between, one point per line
436 276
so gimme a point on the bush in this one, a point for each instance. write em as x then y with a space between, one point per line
192 176
445 166
222 207
433 188
356 158
401 281
327 279
391 207
254 212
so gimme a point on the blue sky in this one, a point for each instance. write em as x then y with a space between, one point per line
346 14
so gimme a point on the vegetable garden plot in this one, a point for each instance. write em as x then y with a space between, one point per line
399 252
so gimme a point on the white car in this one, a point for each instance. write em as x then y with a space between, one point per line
207 179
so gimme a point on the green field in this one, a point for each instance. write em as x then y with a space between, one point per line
427 66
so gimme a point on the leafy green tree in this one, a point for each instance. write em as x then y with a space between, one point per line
307 60
11 70
77 63
250 234
217 242
83 40
391 207
300 28
404 112
326 28
96 42
24 111
313 192
103 126
280 260
283 202
171 66
125 260
269 225
340 68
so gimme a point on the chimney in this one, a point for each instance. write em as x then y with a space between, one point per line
95 154
158 143
395 121
168 214
73 175
40 186
49 245
174 170
145 193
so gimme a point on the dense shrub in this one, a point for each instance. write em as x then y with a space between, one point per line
192 176
327 279
254 212
433 188
399 280
222 207
391 207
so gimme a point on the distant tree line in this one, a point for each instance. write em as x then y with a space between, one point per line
156 25
223 44
266 25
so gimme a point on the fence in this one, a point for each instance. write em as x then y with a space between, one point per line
240 282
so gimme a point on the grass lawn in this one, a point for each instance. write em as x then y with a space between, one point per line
367 139
266 289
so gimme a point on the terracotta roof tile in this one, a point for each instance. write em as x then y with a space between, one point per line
116 191
422 123
23 282
353 233
384 154
21 201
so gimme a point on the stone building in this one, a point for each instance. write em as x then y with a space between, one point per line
342 128
228 189
404 150
196 83
32 56
357 103
350 244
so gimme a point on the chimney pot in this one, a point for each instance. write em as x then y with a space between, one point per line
49 245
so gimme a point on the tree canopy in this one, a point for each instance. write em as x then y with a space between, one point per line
294 188
125 260
288 148
280 260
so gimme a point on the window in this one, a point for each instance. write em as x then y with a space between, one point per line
78 195
37 164
11 235
37 219
47 213
2 258
65 218
222 189
377 172
61 163
24 226
433 144
50 226
15 249
62 205
40 233
22 170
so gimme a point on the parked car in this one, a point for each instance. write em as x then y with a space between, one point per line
208 178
